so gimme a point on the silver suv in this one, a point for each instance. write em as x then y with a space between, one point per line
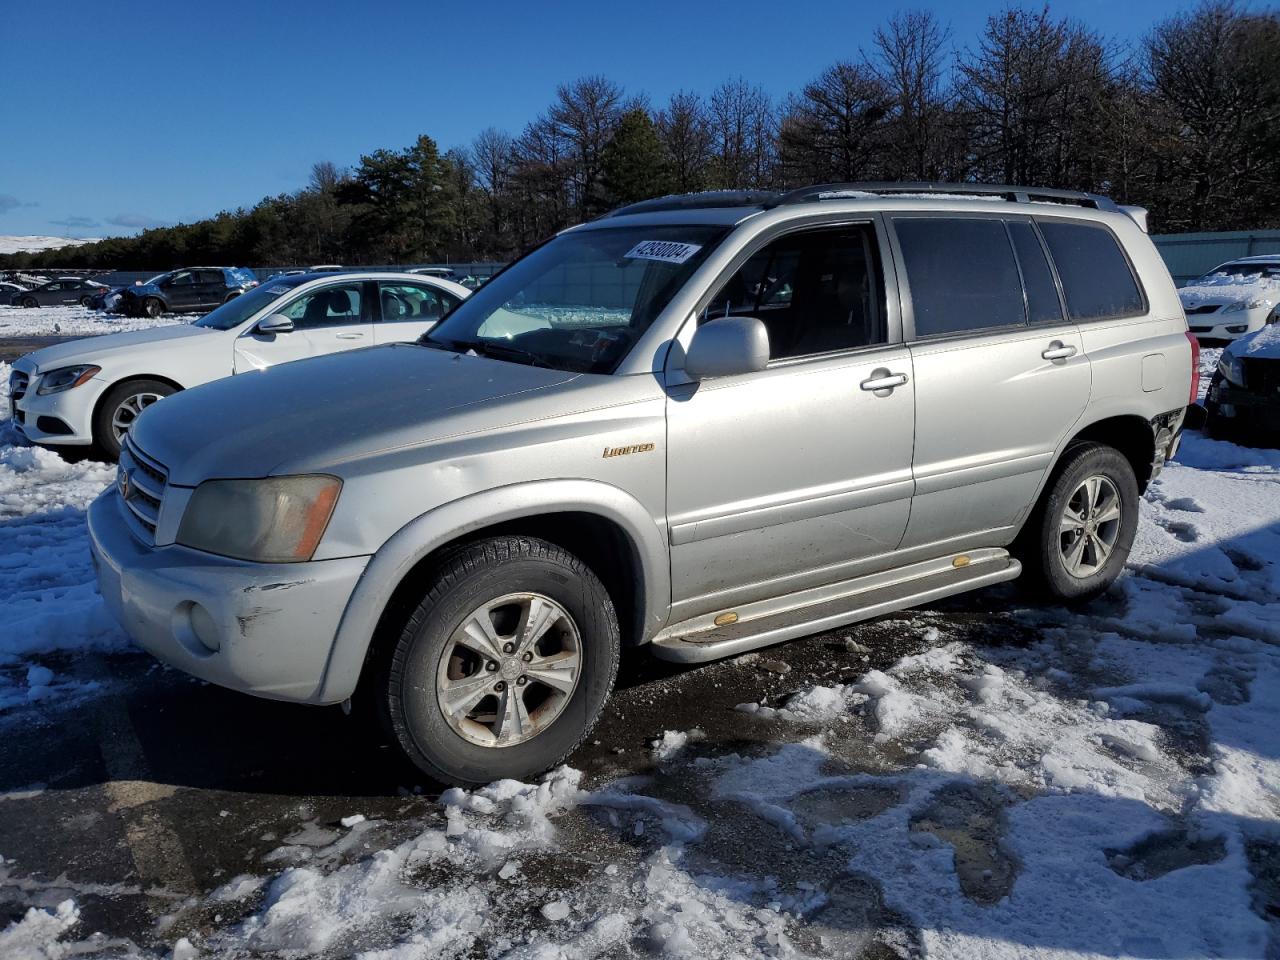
705 423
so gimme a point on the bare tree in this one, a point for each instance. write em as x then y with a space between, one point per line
832 130
584 115
325 176
686 136
742 124
911 53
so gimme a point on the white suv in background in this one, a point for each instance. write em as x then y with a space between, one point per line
89 391
1234 298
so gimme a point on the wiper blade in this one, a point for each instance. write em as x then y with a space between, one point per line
504 351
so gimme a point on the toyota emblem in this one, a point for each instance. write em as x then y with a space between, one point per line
124 484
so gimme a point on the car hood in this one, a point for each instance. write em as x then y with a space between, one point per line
314 414
1229 290
96 349
1262 344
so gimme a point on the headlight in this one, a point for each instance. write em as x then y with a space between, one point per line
1231 369
64 378
1238 305
275 520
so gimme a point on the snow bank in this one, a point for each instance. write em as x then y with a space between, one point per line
74 321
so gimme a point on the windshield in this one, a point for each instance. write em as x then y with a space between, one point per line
237 311
1237 272
581 301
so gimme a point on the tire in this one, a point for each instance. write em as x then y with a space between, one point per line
84 302
231 296
119 407
152 307
30 302
1047 545
427 662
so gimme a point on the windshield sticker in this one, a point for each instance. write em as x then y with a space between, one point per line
666 251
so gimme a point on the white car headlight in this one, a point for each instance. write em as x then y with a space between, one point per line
1231 369
274 520
64 378
1246 304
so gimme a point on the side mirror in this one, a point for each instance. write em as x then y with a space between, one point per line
727 346
276 323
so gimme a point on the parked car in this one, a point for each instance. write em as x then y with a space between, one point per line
189 290
90 391
65 291
8 290
109 298
445 273
1234 298
706 424
1244 394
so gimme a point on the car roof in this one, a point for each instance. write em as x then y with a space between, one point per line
1261 258
298 280
731 207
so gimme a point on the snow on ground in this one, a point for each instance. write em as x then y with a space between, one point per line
74 321
1108 788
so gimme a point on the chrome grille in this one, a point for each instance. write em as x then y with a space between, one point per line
18 384
141 481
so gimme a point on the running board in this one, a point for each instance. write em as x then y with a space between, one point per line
812 611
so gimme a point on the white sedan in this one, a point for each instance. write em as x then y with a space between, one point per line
87 392
1234 298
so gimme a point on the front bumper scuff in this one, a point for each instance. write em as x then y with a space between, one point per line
266 629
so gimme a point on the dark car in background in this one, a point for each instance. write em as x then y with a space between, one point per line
64 291
1243 402
188 290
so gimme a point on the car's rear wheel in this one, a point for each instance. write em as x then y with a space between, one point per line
29 302
120 407
505 665
85 301
1079 537
152 307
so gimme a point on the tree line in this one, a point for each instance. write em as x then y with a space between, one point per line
1185 122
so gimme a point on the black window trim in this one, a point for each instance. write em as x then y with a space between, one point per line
1145 312
894 328
1064 317
909 334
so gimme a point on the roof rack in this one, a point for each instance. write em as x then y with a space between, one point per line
833 191
694 201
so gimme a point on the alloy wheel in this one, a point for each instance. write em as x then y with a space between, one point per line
509 670
1090 526
129 410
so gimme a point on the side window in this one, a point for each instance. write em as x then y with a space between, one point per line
212 276
961 274
182 278
326 307
816 292
1097 281
1043 305
56 285
413 301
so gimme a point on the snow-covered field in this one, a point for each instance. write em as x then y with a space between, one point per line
34 244
1044 783
73 321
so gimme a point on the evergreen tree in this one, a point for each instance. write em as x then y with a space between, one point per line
635 165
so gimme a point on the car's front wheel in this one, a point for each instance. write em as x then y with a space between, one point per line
1078 539
29 302
505 665
121 406
152 307
86 302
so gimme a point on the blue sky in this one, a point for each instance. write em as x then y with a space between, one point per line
128 114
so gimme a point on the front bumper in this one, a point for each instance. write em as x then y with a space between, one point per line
56 418
1228 326
1242 406
264 629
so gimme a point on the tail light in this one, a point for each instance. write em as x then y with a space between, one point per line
1195 368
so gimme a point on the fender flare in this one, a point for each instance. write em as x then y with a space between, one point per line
441 525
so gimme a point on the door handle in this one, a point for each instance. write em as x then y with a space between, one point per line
351 336
882 379
1059 351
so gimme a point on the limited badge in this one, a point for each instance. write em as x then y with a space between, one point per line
665 251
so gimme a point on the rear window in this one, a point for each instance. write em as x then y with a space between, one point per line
1097 282
961 273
